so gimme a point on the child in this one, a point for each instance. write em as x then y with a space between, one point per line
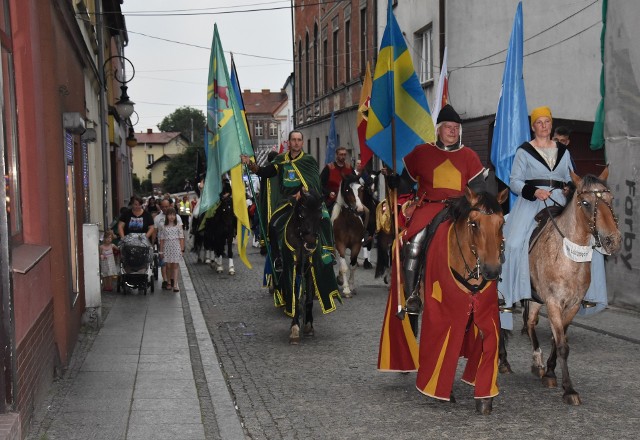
107 261
172 247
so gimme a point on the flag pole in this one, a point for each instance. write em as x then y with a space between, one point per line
394 199
246 170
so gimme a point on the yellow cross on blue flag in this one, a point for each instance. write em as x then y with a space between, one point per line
397 98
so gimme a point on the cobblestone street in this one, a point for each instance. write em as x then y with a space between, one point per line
328 386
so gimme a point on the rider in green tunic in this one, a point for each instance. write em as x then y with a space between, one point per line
296 170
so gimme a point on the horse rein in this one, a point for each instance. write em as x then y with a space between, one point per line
297 211
475 272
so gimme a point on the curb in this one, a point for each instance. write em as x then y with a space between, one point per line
229 423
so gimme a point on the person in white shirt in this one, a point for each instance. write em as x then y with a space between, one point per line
159 224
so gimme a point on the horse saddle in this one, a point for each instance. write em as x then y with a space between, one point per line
541 219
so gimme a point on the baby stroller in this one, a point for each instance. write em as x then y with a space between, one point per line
136 256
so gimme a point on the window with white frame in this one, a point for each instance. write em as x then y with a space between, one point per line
424 45
149 159
258 129
273 129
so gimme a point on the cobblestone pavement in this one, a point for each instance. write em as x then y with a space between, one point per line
328 386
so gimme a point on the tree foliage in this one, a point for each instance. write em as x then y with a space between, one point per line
182 167
180 120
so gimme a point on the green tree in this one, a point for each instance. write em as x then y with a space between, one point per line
181 120
182 167
136 184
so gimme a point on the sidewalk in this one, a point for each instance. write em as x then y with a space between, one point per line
151 372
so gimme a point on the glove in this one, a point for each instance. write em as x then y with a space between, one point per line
393 180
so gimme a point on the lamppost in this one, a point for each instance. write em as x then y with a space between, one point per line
124 108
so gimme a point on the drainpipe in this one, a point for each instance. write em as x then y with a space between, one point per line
293 51
103 116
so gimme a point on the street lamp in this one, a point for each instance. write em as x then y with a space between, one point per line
124 105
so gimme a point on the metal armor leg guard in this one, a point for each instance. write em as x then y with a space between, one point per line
412 266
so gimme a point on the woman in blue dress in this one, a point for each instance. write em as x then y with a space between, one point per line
539 173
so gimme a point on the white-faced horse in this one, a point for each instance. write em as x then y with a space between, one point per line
348 230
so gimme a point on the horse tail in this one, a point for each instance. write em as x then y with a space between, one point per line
384 260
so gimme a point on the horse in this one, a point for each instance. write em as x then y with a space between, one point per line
561 283
223 229
385 227
370 203
460 316
348 230
301 240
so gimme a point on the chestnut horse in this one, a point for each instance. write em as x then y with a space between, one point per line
562 283
460 316
348 230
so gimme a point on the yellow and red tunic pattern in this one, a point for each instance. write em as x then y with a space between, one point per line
440 175
444 337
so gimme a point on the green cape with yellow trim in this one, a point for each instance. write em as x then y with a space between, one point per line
303 170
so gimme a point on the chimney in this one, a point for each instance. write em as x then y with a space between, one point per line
246 91
149 130
266 91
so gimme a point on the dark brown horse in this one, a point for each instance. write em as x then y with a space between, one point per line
348 230
301 240
562 283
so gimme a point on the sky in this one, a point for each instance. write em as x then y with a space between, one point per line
172 74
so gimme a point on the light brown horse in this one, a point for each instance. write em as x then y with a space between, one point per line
562 283
348 230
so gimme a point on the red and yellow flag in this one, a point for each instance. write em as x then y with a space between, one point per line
365 98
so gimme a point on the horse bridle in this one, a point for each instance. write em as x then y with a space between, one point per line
475 272
353 210
593 219
598 193
301 233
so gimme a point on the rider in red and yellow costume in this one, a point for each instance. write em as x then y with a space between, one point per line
442 171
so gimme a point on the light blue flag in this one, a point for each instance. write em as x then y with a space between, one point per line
398 104
511 128
332 141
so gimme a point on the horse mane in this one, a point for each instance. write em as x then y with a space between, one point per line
459 207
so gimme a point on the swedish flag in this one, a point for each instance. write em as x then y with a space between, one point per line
397 96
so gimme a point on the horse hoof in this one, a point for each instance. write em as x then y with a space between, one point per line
219 270
505 368
207 261
386 280
538 371
294 336
308 330
484 406
367 264
549 382
199 260
346 295
572 399
232 271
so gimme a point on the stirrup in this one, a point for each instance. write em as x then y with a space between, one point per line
413 304
277 265
588 304
502 306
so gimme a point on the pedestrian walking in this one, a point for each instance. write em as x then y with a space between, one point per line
108 269
172 247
